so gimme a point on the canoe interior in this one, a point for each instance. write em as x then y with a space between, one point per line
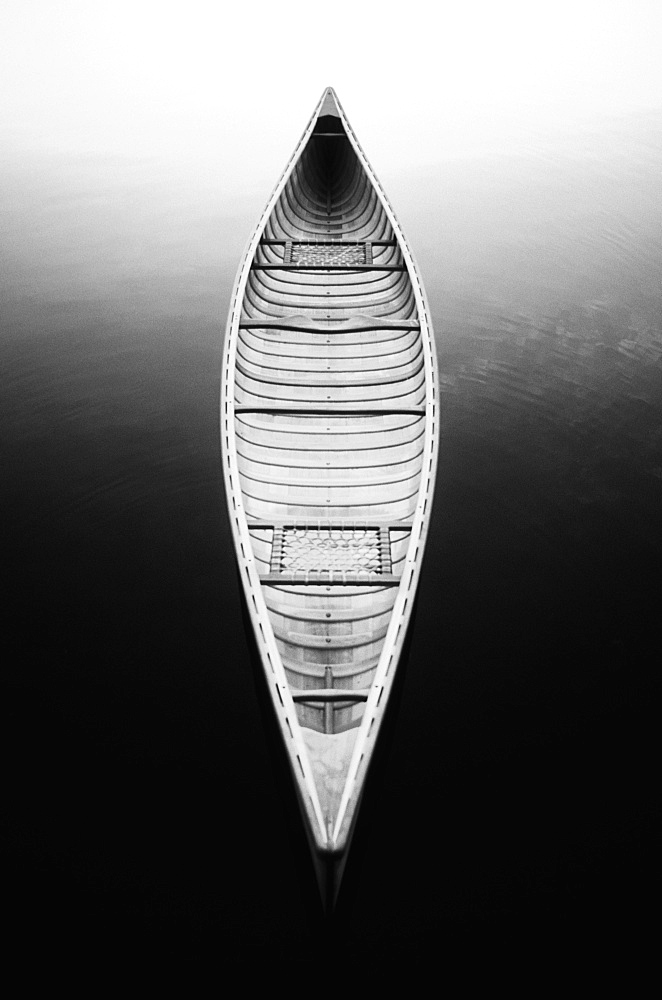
330 391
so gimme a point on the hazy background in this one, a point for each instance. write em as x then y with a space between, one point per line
196 82
519 799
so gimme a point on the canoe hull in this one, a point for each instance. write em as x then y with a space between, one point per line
329 431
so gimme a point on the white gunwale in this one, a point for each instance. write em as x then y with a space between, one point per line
328 841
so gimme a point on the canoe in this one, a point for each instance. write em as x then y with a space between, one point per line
329 433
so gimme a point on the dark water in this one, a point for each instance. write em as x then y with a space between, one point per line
517 802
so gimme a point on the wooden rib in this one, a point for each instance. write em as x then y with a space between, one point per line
331 411
330 694
305 324
289 266
335 243
340 579
335 525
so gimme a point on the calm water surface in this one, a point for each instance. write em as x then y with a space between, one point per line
517 798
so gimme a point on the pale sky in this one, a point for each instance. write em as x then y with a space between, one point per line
237 82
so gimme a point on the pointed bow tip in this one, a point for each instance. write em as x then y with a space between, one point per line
329 103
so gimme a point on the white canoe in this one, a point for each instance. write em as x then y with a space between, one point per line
329 432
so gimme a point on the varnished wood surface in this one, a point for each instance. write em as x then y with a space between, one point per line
329 415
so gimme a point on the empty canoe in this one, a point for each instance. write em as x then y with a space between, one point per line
329 431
